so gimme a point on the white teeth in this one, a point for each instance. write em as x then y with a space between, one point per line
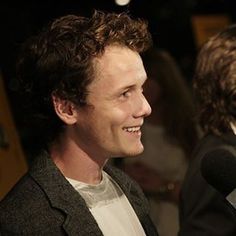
132 129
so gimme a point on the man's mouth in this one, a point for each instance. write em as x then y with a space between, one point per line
133 129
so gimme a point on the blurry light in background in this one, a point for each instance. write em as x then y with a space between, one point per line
122 2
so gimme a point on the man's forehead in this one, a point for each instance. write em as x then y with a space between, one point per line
119 67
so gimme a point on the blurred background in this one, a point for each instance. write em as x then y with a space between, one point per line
178 27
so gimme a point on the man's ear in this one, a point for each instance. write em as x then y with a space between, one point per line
65 110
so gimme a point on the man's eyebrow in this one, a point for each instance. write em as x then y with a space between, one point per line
133 85
127 87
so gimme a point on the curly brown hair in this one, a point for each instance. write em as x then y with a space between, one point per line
215 82
59 60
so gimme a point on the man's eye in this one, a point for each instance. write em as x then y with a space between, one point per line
126 93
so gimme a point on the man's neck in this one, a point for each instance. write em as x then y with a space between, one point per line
75 163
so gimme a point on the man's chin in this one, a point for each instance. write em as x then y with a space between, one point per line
128 151
134 152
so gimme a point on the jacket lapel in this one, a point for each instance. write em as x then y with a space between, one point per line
64 197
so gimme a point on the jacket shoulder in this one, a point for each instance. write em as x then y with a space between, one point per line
23 208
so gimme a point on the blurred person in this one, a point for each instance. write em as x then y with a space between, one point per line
82 82
203 210
169 134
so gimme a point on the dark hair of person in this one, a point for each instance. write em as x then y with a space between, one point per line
215 82
59 61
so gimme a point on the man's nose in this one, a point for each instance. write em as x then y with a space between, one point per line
143 107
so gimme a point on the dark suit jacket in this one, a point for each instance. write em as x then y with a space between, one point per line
203 210
44 203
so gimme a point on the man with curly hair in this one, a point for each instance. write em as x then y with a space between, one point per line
203 210
82 81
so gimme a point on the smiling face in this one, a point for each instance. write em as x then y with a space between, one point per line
110 125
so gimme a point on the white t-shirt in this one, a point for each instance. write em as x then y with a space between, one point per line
110 207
